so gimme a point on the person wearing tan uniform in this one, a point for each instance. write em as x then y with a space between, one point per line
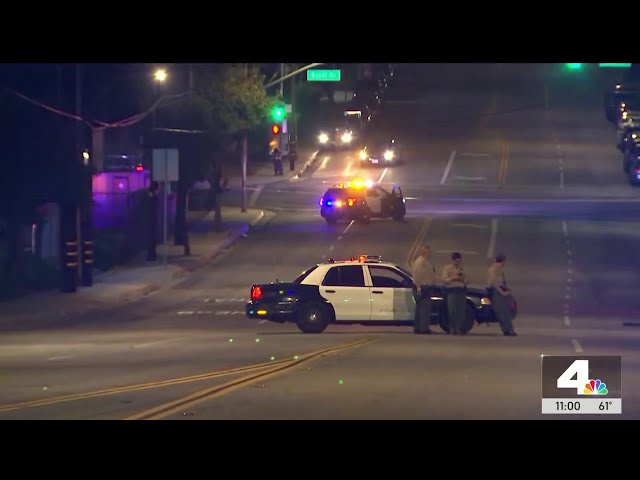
424 277
455 279
501 298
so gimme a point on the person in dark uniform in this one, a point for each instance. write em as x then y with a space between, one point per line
276 158
501 296
455 279
152 221
424 277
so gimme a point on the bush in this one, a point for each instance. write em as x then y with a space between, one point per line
111 248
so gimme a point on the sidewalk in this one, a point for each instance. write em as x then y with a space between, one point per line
135 280
263 173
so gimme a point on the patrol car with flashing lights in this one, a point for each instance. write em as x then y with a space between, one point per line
361 201
380 154
362 290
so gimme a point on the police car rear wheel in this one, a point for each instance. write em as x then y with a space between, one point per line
313 318
365 217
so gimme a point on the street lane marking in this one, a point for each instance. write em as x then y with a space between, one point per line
263 321
384 173
416 243
173 407
331 247
254 196
348 227
470 225
142 386
570 271
567 323
340 237
576 346
61 357
468 178
546 97
472 154
188 312
491 249
324 162
347 170
448 168
504 162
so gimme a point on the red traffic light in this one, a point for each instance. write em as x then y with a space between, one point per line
275 129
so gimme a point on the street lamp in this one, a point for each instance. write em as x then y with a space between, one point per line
160 75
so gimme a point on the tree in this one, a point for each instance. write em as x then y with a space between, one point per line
234 101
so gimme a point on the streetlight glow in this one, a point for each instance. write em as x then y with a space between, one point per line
160 75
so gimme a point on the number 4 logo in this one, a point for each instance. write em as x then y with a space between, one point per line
579 369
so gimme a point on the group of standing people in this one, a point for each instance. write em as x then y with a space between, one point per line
455 281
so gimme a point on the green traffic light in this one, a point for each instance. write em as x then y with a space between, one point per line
574 66
278 113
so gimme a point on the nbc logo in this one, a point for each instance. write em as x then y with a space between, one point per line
582 384
595 387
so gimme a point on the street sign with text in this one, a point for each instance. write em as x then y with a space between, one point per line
323 75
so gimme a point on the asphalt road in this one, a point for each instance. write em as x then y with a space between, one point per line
499 158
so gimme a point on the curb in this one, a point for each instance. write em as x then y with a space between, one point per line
303 170
142 291
232 239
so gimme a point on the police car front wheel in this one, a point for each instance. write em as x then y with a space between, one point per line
313 318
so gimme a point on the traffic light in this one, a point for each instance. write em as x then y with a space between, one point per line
278 113
275 129
574 66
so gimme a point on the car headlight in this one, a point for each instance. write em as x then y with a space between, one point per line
346 137
323 138
363 155
388 155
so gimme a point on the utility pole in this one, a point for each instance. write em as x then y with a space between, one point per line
68 213
243 207
282 83
293 136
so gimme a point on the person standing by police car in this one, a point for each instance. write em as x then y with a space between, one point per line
501 296
455 280
424 277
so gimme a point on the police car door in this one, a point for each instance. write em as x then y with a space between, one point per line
391 294
344 286
374 200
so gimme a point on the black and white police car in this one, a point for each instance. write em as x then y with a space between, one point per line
361 200
362 290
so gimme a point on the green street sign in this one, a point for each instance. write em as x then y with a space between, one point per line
614 65
323 75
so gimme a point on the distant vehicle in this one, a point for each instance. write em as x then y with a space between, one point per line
348 134
380 154
621 93
362 290
628 136
361 201
631 164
